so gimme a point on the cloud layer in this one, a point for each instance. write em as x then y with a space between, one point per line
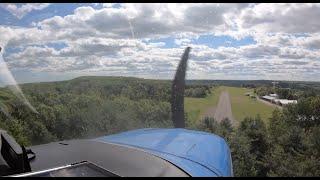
134 39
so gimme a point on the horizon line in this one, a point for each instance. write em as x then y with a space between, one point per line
68 79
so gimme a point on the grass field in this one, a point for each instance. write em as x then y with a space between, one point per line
195 107
242 105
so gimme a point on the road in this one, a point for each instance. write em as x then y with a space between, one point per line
223 109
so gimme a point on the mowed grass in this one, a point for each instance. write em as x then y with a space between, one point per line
244 106
195 107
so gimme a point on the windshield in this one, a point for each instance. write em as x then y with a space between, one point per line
87 70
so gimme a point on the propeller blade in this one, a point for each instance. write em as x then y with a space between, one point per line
177 91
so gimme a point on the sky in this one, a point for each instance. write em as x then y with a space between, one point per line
51 42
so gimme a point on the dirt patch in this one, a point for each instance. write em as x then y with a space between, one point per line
223 109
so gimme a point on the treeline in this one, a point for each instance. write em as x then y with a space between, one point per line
286 93
298 85
249 85
288 145
263 90
198 91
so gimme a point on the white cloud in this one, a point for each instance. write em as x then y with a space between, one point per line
100 40
108 5
158 44
147 20
21 11
281 18
182 41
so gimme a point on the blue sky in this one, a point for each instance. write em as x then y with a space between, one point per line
210 40
46 42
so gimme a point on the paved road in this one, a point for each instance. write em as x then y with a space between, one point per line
223 109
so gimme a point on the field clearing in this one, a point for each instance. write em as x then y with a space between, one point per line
243 106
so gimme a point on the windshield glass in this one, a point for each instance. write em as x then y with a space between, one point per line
87 70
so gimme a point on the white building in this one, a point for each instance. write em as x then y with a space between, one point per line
268 98
284 102
274 99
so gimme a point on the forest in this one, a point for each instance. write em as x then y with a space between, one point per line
199 91
88 107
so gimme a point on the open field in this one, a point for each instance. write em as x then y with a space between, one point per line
196 107
241 105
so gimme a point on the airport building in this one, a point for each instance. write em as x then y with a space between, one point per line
273 98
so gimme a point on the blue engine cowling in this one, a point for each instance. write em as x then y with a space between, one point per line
197 153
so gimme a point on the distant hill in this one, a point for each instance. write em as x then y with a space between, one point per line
238 83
